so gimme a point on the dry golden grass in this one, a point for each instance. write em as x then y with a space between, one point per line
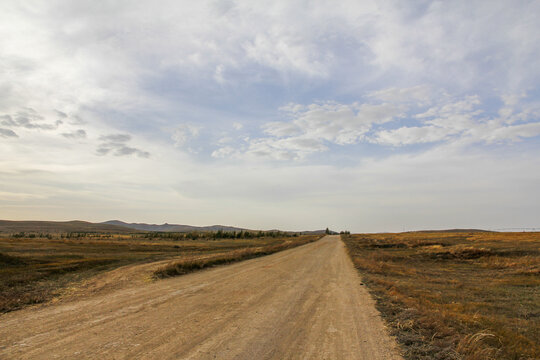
36 269
455 295
180 267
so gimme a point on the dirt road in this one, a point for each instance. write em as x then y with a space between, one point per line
303 303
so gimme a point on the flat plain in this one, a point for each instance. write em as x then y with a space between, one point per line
301 303
455 295
37 267
448 295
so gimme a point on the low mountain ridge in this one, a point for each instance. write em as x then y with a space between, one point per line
8 226
116 226
171 227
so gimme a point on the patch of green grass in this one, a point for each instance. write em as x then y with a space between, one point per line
455 295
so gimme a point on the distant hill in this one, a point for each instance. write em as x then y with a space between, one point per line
453 230
114 226
170 227
7 226
317 232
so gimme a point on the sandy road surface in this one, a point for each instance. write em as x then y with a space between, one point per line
303 303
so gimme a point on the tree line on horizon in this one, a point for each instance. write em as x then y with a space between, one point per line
220 234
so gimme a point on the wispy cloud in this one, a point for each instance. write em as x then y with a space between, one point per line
115 144
28 118
184 133
77 134
7 133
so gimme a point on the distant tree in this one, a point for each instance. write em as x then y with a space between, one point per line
327 232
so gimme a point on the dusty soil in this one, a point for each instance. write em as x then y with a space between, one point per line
302 303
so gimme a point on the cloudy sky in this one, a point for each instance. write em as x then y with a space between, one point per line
359 115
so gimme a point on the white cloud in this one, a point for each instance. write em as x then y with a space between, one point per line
420 94
494 44
184 133
293 148
451 108
313 126
223 152
284 53
517 108
282 129
412 135
461 119
225 140
513 133
65 48
218 74
237 126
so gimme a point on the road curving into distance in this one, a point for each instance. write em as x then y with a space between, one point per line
302 303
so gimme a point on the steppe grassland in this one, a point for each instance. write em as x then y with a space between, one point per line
455 295
35 268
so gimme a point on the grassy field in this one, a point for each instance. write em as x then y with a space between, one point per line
455 295
183 266
34 268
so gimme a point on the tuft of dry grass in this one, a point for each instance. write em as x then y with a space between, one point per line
455 295
478 347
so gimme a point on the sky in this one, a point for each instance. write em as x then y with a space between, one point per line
365 116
